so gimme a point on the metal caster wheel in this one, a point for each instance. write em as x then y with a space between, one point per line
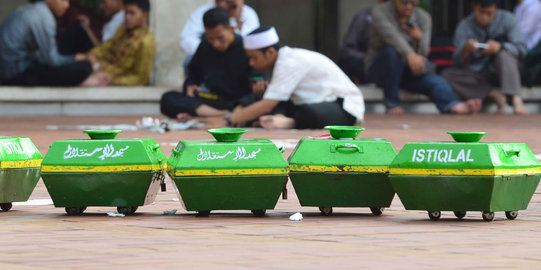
259 213
75 211
511 215
434 215
6 206
326 211
488 216
126 210
460 214
377 211
203 213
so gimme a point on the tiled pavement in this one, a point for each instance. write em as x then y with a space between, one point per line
42 237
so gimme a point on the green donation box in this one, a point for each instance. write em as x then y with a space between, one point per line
343 171
103 171
228 173
465 175
20 163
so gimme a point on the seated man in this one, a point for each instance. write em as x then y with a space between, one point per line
82 29
114 12
399 44
532 63
220 76
29 54
243 19
71 35
128 57
307 89
488 45
528 15
355 45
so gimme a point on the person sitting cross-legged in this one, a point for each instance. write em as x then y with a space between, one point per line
219 75
128 57
29 53
307 90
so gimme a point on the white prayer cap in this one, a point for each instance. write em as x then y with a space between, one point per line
261 40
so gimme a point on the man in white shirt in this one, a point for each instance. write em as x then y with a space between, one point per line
528 13
114 12
243 18
307 90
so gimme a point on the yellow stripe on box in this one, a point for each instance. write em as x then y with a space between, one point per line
102 169
231 172
33 163
314 168
464 172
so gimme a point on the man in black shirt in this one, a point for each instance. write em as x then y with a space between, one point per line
219 75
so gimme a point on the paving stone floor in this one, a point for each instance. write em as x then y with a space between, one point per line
44 237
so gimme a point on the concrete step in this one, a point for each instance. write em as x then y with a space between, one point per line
374 94
81 94
420 104
80 101
145 101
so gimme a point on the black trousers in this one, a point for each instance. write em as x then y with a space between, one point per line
74 40
42 75
308 116
318 115
172 103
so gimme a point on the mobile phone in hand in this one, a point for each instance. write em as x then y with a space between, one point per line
482 46
256 79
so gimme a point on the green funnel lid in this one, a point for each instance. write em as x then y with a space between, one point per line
467 136
102 134
227 134
344 132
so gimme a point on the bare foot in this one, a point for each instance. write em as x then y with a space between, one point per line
472 106
475 105
395 111
256 124
461 108
105 78
277 122
183 117
97 79
518 106
500 100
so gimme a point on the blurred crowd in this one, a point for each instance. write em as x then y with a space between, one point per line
237 69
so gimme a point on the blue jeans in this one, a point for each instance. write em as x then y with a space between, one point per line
390 72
